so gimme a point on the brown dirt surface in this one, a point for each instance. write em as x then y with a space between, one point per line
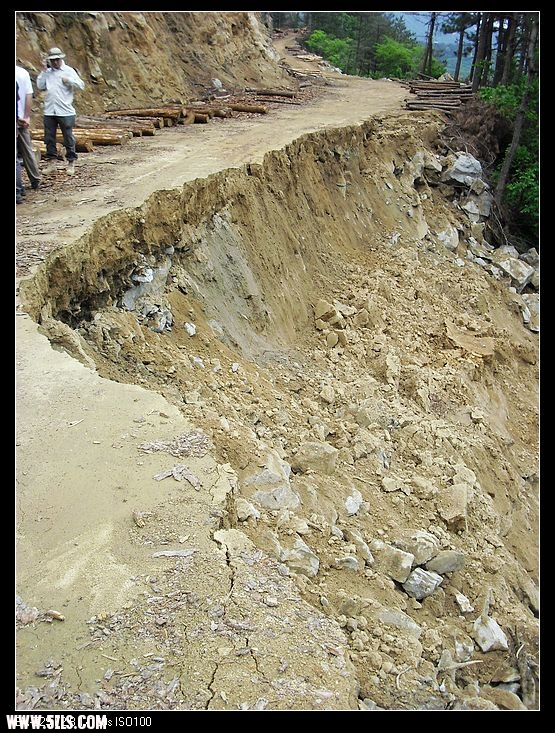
217 487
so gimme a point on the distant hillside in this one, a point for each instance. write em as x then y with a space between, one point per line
445 44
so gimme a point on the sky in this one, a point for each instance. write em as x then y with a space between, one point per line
417 23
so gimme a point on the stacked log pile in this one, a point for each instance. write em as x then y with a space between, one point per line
169 113
199 112
117 126
139 126
444 95
86 139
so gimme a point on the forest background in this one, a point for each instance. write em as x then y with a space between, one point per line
495 53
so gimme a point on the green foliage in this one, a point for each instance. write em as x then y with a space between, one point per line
368 44
377 44
505 99
337 25
402 61
395 59
336 50
522 193
390 57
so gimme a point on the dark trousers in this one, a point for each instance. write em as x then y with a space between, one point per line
19 188
26 154
66 125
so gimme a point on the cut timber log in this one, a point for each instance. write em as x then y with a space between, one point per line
423 106
172 113
281 101
445 94
436 100
147 122
41 147
134 125
188 118
249 108
272 92
82 145
87 138
99 133
211 111
201 111
223 112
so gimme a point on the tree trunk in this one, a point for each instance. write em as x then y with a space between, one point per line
502 35
480 53
486 67
511 39
479 21
521 114
460 49
427 60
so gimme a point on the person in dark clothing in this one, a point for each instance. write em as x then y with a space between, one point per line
25 149
19 188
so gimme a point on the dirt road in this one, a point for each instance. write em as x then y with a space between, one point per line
116 177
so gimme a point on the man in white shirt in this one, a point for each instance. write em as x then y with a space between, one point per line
25 149
59 81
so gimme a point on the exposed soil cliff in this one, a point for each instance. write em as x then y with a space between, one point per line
146 57
277 428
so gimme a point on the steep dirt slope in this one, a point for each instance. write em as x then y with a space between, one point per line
142 58
285 395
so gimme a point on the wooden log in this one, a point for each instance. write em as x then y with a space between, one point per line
173 113
188 118
156 122
431 102
223 112
249 108
134 125
41 147
105 139
145 122
435 103
202 111
200 118
272 92
83 137
282 101
98 132
445 108
211 111
437 85
84 146
443 93
80 147
107 124
436 100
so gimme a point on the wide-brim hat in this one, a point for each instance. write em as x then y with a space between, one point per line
55 53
